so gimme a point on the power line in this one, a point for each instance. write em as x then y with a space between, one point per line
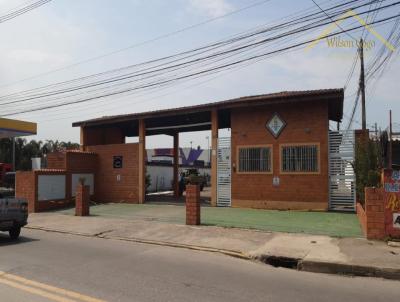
169 80
216 44
20 11
337 24
181 30
151 71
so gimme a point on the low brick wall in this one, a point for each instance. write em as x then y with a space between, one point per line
27 187
372 215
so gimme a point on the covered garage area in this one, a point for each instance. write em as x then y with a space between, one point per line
276 157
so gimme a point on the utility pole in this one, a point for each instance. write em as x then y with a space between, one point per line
390 141
362 86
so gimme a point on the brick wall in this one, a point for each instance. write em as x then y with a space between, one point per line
25 187
372 216
56 160
305 123
81 162
116 185
102 136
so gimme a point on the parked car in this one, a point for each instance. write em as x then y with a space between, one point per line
13 215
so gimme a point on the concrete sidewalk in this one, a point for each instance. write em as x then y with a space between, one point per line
355 256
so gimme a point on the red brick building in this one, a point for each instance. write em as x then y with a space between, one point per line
281 154
277 156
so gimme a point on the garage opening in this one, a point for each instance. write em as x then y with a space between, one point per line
193 166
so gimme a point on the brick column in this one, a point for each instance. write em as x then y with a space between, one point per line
176 165
192 205
82 200
142 161
374 210
214 147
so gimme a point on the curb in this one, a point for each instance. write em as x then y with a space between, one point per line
231 253
329 267
348 269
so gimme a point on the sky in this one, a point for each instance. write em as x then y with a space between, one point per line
64 32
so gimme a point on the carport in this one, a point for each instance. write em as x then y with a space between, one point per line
113 130
279 146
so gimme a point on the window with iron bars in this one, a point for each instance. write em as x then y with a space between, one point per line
300 158
254 159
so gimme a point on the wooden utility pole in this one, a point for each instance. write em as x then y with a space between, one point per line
362 87
390 141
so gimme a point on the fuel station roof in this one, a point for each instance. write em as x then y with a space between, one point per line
14 128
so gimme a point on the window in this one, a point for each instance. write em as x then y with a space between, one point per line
254 159
300 158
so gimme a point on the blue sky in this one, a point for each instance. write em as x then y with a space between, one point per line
64 32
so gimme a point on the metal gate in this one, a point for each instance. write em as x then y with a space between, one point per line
224 172
342 188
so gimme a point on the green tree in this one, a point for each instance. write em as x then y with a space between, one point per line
367 166
25 150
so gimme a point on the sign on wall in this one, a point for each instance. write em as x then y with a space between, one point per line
275 125
392 202
396 220
117 161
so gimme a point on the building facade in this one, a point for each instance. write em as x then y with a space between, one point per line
278 156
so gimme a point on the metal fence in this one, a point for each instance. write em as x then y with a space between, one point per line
224 172
342 188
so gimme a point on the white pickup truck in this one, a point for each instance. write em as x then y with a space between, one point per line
13 216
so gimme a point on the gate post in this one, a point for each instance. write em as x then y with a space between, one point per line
82 200
192 205
214 147
142 161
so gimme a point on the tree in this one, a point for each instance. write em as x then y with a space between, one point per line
25 150
367 166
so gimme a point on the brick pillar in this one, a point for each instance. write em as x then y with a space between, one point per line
214 147
142 161
192 205
82 200
374 210
176 165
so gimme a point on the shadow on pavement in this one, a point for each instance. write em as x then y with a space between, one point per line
6 240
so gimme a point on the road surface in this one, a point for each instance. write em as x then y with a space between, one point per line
47 266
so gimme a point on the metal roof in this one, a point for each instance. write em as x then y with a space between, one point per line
333 96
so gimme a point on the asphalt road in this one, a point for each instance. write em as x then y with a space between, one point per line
58 267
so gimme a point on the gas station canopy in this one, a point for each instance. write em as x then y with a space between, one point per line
14 128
